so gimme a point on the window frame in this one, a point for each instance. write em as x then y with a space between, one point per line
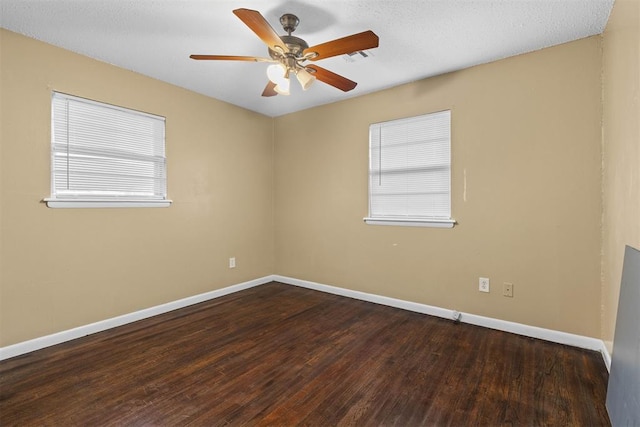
102 198
408 220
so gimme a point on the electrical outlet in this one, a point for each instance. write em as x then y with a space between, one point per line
232 262
507 290
483 284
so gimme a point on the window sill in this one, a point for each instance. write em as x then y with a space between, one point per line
97 203
412 222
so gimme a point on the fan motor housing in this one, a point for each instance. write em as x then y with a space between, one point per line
295 45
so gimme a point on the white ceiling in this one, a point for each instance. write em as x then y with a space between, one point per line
418 38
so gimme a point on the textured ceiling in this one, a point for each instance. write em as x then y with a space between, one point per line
418 38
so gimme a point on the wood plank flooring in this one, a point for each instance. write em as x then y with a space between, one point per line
281 355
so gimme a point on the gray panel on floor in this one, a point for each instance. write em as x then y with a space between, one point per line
623 393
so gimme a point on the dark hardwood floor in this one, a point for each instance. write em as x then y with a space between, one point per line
282 355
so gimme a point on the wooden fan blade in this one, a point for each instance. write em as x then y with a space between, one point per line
256 22
229 58
333 79
269 90
353 43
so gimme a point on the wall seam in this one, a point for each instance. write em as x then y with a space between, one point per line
602 186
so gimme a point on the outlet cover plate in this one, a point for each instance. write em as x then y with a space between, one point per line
483 284
507 290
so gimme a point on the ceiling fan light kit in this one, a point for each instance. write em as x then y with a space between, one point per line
290 53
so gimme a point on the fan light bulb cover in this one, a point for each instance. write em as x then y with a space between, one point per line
305 78
278 75
282 88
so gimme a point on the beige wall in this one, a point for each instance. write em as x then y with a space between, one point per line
526 183
621 159
62 268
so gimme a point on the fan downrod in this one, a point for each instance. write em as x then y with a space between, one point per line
296 45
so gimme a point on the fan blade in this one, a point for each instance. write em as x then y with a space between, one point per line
333 79
256 22
269 90
353 43
229 58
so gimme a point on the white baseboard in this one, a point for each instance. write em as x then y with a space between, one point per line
92 328
606 356
487 322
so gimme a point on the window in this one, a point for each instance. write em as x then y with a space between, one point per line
105 156
410 171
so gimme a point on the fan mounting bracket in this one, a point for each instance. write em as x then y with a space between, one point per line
289 22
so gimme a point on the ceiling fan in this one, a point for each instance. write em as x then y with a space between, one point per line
289 54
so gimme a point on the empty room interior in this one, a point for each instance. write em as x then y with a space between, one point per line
267 249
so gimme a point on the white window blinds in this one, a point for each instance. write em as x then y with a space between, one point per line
103 153
410 171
